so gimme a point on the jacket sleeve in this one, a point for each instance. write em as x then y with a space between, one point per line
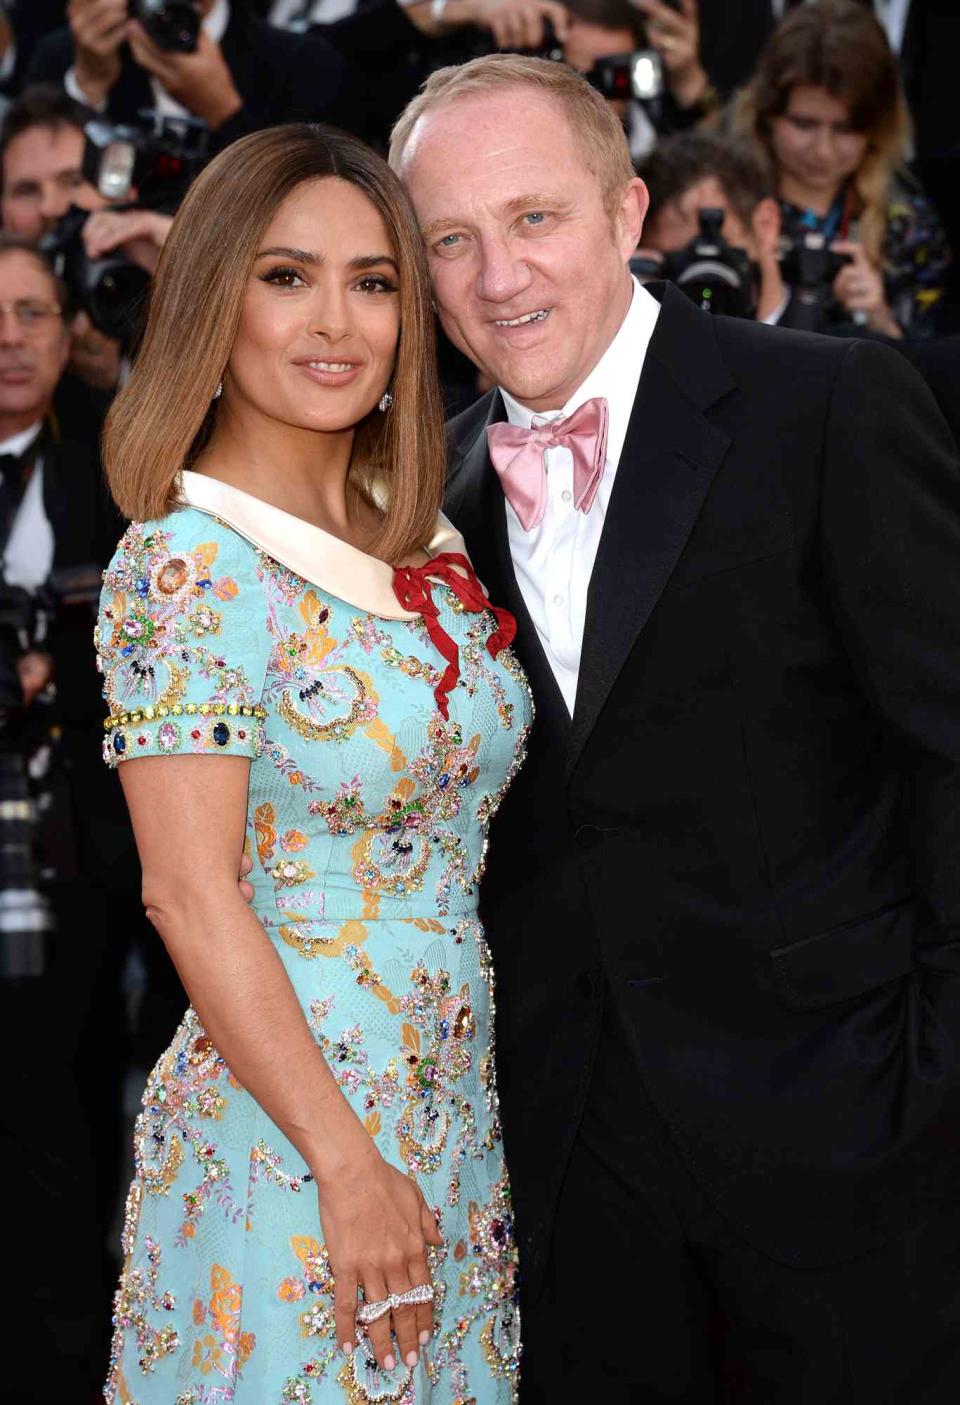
891 542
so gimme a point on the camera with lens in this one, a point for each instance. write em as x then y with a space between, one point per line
624 76
809 267
638 76
713 273
23 619
173 25
147 167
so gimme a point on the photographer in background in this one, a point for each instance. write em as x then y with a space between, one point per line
826 115
695 171
41 170
56 524
241 74
601 40
41 157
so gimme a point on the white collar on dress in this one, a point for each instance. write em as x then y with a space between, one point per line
615 376
335 566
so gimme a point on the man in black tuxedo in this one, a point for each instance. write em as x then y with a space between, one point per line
244 74
723 894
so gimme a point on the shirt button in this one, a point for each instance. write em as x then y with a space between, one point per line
558 600
566 495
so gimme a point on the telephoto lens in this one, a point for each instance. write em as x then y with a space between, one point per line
173 25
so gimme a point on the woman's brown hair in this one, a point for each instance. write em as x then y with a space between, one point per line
838 45
162 418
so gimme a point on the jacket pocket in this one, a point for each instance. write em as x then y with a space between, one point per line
846 961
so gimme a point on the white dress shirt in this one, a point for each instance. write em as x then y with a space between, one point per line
214 25
893 14
282 12
553 562
28 555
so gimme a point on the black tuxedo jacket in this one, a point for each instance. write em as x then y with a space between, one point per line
750 828
281 77
938 361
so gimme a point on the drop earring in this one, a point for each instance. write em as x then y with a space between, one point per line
219 390
386 401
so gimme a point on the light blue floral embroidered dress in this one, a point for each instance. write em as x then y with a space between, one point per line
367 818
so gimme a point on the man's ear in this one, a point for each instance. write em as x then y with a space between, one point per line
631 215
766 224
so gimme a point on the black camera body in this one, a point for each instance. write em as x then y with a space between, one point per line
23 619
809 267
622 77
713 273
173 25
150 165
639 75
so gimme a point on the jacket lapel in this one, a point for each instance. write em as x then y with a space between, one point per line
475 505
670 456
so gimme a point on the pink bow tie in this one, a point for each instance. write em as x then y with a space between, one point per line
519 457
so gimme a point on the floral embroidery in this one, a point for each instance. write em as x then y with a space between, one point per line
367 821
151 637
220 1347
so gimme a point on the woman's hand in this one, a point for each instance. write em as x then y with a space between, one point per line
376 1226
859 287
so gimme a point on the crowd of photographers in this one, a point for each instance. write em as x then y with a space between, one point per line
802 160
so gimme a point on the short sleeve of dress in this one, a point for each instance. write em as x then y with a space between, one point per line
182 641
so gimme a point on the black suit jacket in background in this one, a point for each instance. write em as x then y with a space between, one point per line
281 77
31 19
86 528
750 828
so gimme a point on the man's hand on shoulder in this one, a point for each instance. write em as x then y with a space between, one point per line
200 81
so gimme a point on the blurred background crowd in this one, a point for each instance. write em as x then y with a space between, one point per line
803 163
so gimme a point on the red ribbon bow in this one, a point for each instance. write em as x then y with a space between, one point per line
412 587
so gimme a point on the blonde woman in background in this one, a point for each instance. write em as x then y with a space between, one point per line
826 114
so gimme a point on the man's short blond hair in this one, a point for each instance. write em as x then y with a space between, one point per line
596 128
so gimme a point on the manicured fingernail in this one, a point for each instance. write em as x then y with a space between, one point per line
411 1358
347 1348
388 1363
424 1337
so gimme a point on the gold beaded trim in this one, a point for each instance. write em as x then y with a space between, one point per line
153 714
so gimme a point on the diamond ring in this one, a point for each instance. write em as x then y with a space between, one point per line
372 1312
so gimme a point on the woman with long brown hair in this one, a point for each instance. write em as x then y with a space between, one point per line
299 660
826 114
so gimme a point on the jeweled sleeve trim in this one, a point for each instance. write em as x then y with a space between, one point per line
212 728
